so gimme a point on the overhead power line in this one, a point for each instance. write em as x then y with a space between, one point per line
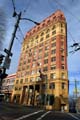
67 10
71 36
7 59
13 5
75 44
21 31
27 6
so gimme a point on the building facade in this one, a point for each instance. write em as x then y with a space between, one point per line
42 75
7 86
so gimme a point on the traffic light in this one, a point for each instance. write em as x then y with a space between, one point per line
2 74
1 58
0 71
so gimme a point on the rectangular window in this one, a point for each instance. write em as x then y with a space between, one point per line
20 88
28 60
43 86
41 39
46 47
63 75
47 42
47 36
53 44
53 38
53 32
53 27
32 79
62 25
41 45
52 86
62 43
53 51
16 88
34 64
62 58
48 30
45 77
24 62
53 59
45 61
62 31
46 54
33 72
23 68
40 56
37 37
52 76
53 67
62 67
62 50
21 81
42 33
63 85
27 73
26 80
45 69
28 66
17 81
40 50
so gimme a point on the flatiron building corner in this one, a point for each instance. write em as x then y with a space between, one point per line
42 74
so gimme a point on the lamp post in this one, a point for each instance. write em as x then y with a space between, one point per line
7 60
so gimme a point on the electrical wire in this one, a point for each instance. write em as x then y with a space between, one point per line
18 40
71 36
14 8
75 44
16 18
67 9
28 5
21 32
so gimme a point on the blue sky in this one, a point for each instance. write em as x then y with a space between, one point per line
39 10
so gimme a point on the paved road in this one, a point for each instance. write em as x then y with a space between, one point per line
18 112
50 115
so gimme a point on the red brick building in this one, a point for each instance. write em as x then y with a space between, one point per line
42 77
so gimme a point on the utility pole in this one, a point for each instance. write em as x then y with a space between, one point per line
7 60
76 90
76 96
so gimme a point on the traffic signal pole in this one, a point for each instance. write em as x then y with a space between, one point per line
7 57
14 33
11 42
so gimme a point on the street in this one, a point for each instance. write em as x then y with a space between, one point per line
19 112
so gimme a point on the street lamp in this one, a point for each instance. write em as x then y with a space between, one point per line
7 60
8 52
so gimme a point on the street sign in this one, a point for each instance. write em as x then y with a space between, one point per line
8 52
7 62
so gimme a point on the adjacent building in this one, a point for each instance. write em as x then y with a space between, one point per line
42 74
7 86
